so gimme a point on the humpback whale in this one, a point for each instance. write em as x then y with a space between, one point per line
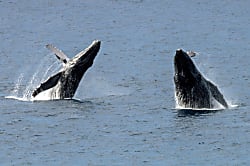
192 90
64 83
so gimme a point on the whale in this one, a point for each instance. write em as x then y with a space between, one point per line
192 89
64 84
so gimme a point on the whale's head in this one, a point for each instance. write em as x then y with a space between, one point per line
191 89
85 58
186 72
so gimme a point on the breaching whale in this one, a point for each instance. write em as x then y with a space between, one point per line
192 90
64 83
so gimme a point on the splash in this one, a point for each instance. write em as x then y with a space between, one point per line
24 87
231 105
18 85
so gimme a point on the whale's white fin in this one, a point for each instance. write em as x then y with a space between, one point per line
49 83
59 54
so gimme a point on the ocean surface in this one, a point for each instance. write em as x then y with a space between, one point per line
124 111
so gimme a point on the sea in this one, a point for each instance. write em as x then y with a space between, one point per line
124 111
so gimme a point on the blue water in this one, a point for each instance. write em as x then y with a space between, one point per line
124 111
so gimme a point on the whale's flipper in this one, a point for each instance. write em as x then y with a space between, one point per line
217 95
59 54
51 82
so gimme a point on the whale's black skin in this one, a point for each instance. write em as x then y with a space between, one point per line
64 83
192 90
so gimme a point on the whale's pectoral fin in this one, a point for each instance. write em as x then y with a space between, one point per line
59 54
51 82
217 94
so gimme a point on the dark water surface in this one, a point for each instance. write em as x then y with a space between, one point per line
124 112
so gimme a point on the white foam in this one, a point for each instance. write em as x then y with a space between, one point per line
217 106
17 98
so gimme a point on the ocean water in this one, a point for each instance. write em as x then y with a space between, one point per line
124 111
